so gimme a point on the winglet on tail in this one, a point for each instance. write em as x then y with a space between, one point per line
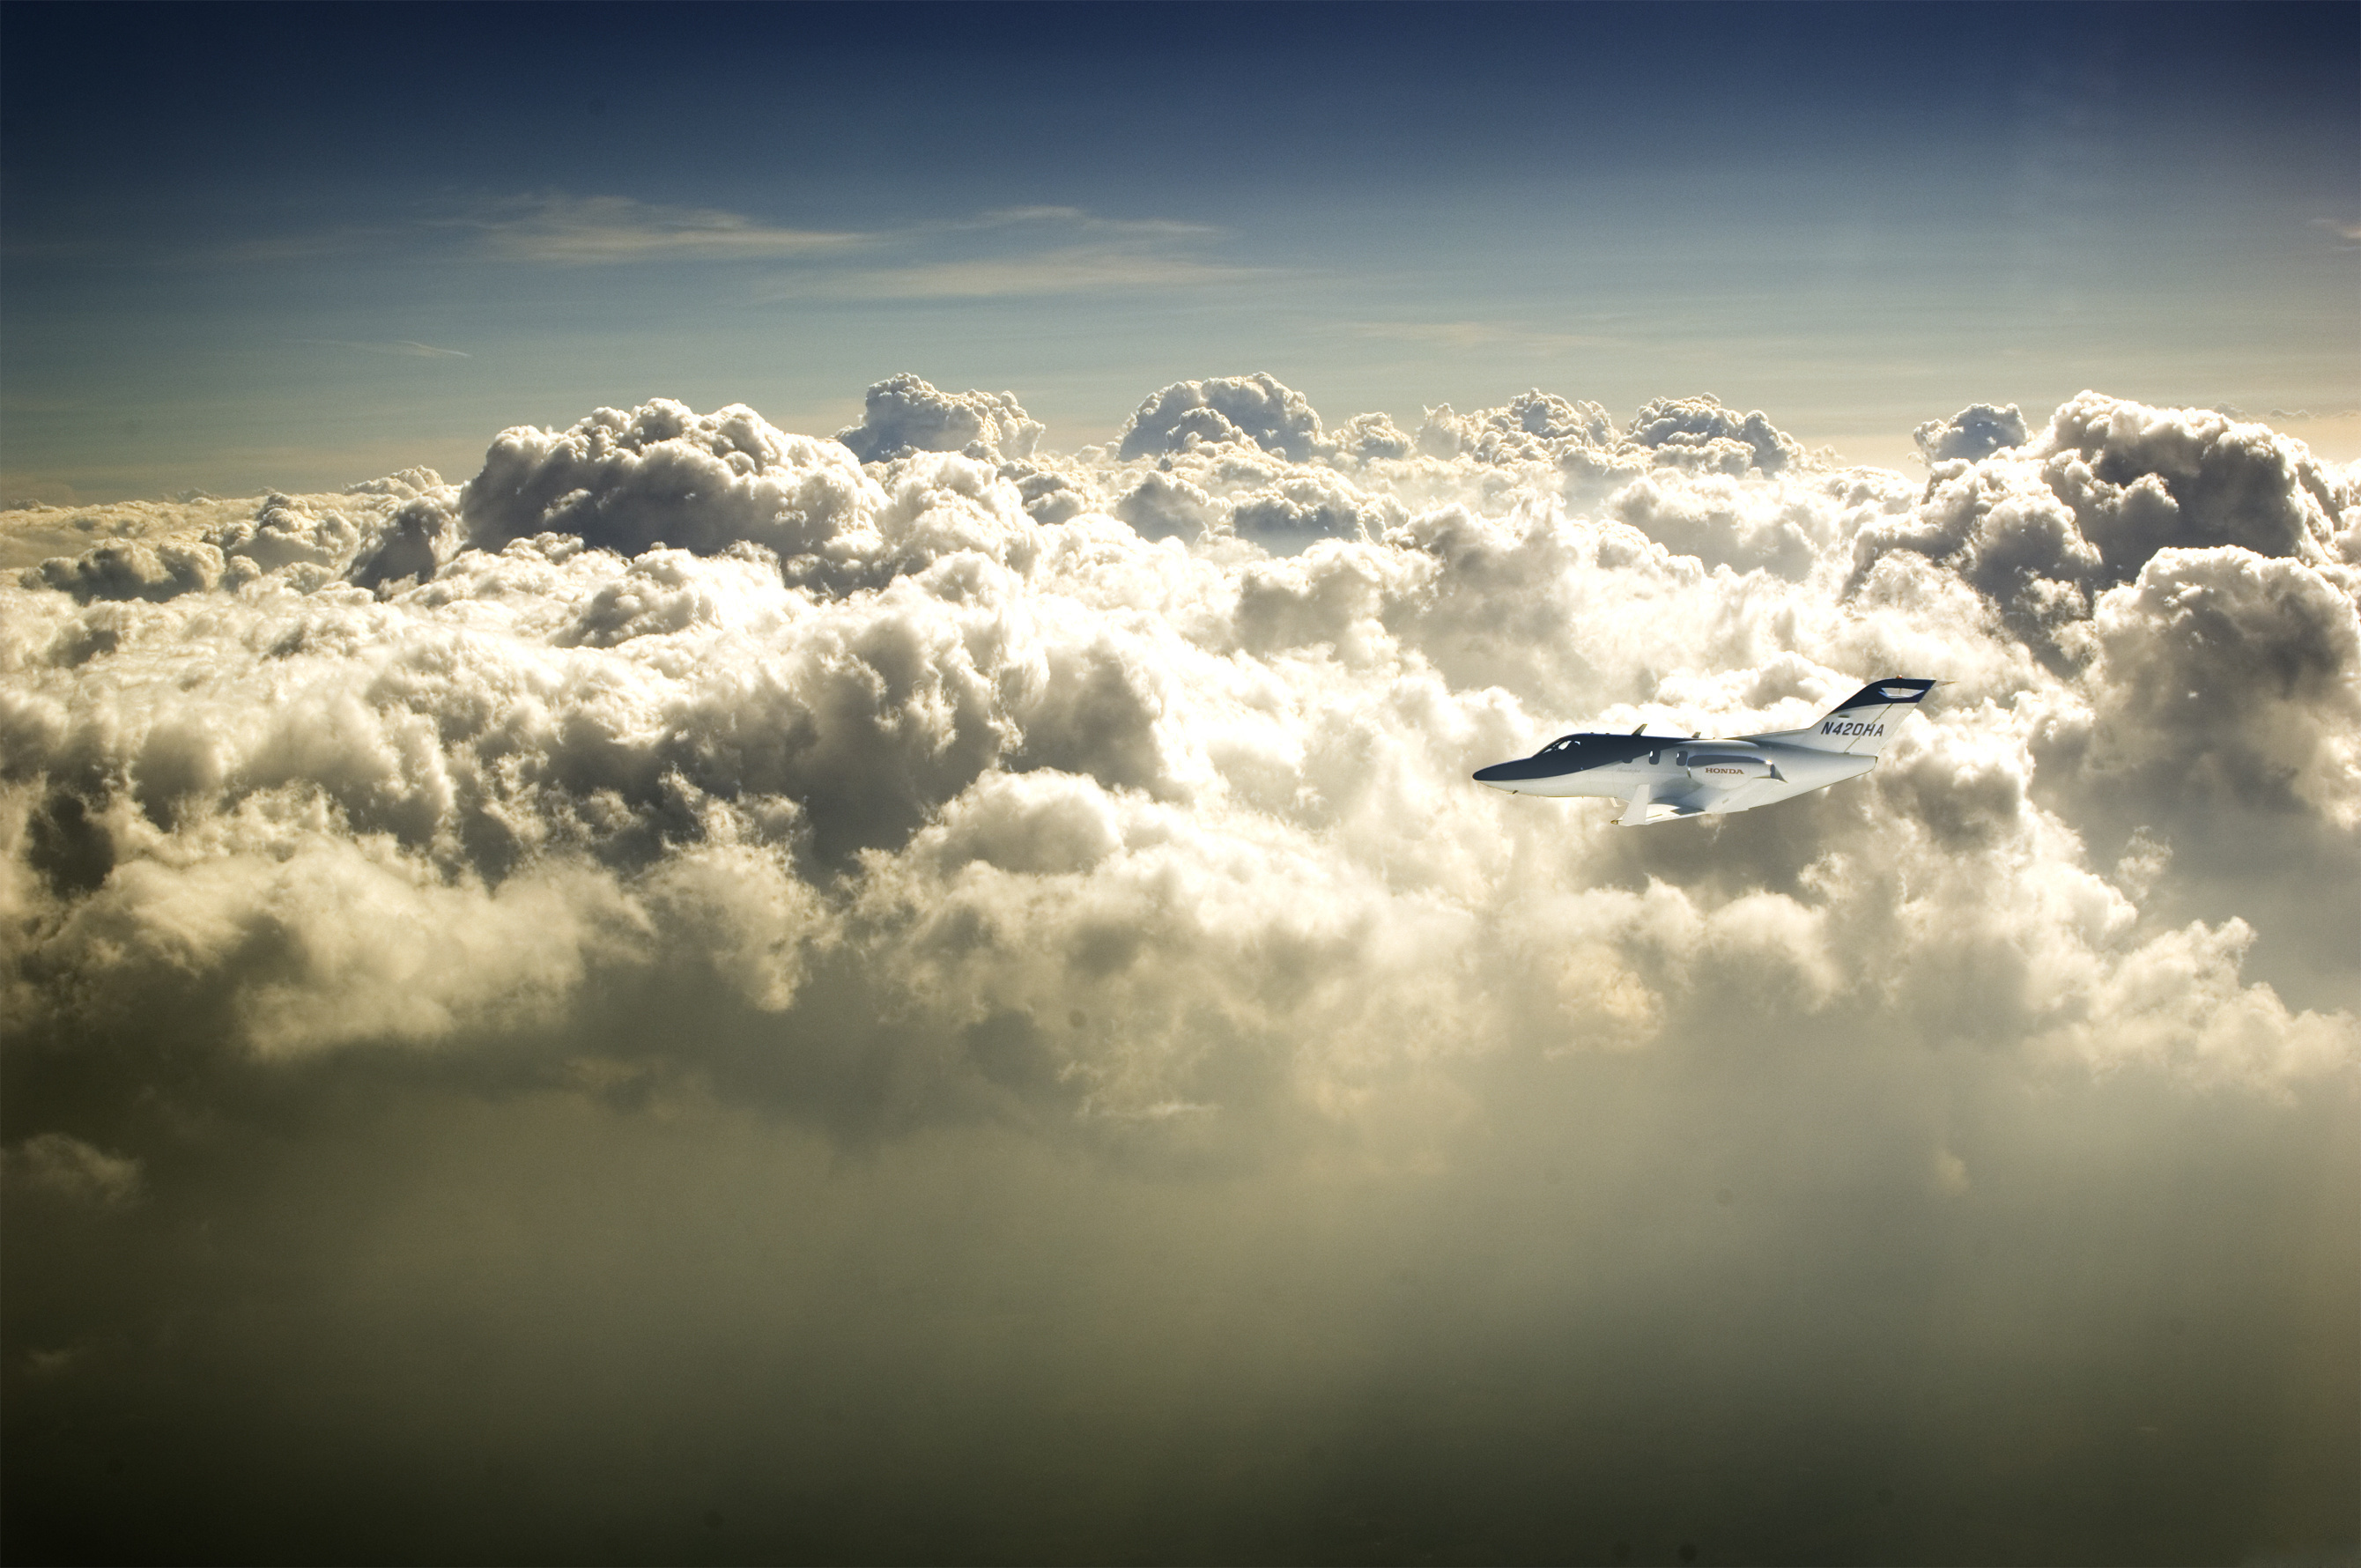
1862 724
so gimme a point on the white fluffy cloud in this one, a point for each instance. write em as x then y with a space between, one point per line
1535 425
669 690
1225 409
904 414
1974 432
1700 432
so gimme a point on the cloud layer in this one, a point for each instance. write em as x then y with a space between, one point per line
923 790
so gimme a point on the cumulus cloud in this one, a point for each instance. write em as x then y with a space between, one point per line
661 633
662 472
1228 420
2042 527
1256 410
930 792
1535 425
904 414
380 527
1689 435
136 570
1972 433
1699 432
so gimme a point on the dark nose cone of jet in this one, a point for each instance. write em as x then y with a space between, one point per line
1495 773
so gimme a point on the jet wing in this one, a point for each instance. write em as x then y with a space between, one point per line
1649 804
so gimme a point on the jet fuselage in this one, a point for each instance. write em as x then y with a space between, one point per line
1662 778
1730 775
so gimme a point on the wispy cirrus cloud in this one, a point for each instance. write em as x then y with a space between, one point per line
1144 229
549 228
563 230
1065 270
403 347
1463 334
1006 252
1026 251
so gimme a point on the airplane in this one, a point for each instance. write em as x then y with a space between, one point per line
1662 779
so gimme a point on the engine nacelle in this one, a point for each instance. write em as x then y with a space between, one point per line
1726 768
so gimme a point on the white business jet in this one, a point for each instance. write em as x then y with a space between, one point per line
1662 779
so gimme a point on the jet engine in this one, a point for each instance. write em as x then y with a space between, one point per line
1726 768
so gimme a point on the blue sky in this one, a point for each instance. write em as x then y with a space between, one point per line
296 246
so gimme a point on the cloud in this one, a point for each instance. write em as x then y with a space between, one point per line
1700 432
1005 253
404 347
58 1167
660 630
663 474
1225 409
574 231
1972 433
1023 251
903 415
1062 269
1014 926
1467 335
2041 527
1077 217
134 570
546 228
1534 426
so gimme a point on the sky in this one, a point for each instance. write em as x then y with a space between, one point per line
299 247
735 819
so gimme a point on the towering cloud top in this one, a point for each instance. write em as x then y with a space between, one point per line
904 414
663 473
1972 433
1256 410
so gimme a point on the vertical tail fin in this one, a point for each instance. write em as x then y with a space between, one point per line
1862 724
